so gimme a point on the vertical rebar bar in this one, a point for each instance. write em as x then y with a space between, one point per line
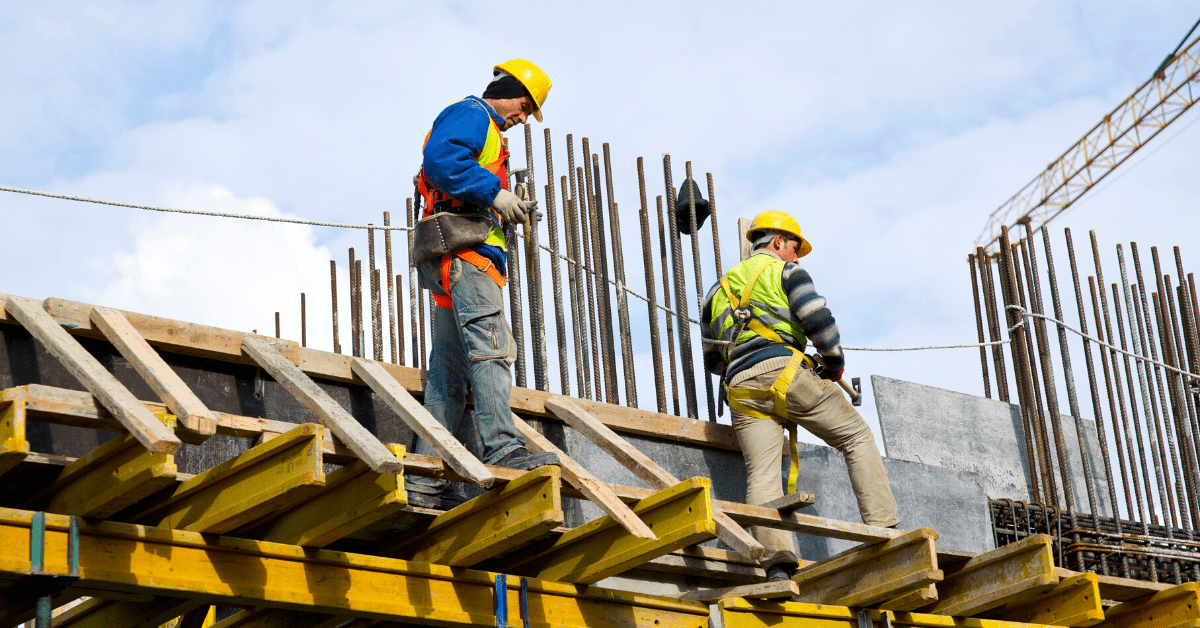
560 321
584 316
662 252
700 291
354 348
1164 323
989 293
392 294
376 316
1187 432
362 312
1195 343
1191 465
1038 414
600 251
399 320
337 345
421 313
533 265
592 282
987 385
577 314
660 393
1148 408
1138 452
712 210
412 290
622 296
303 323
1147 341
516 313
277 325
685 332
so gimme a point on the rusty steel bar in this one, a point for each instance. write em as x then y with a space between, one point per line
685 332
373 281
303 323
413 290
577 314
1148 347
987 384
1041 435
1195 342
1140 368
1145 503
1178 500
660 393
515 306
591 280
690 185
662 248
989 293
399 320
600 250
1190 343
622 296
533 265
1190 466
362 329
560 320
277 324
712 210
1116 427
392 294
585 315
337 345
421 313
354 348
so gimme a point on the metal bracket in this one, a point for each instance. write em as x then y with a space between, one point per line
856 384
525 602
41 586
502 601
260 386
864 618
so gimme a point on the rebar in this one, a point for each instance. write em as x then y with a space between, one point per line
1181 406
662 252
695 238
533 265
376 316
362 329
1116 427
1163 319
591 280
585 314
399 320
1145 337
1195 343
303 323
277 324
600 268
1016 334
392 294
1038 411
1145 503
337 345
660 393
516 313
685 333
354 348
622 297
712 210
560 321
412 290
1135 332
577 314
987 385
1187 432
989 293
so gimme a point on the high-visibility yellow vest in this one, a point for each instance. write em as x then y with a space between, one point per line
771 313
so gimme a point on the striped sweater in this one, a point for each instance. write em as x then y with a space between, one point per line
760 355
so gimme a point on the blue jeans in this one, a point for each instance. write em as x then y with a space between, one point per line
472 352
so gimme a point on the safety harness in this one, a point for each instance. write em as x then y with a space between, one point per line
475 259
746 318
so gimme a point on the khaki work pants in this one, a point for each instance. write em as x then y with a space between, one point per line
820 407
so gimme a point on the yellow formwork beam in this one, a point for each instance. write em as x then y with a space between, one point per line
870 574
271 476
1074 602
1177 607
276 618
13 446
105 613
489 525
110 478
1005 575
679 516
137 559
743 613
354 497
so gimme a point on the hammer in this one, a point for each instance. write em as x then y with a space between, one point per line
852 388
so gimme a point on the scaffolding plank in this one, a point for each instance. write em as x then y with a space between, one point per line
1074 602
761 590
196 422
107 613
418 418
13 446
1005 575
869 574
310 395
115 397
354 497
240 572
680 515
707 562
269 477
649 471
738 612
489 525
1176 607
583 480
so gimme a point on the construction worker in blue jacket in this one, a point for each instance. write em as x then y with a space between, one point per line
756 322
464 170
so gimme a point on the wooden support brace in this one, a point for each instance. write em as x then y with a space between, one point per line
762 590
1005 575
736 612
1074 602
870 574
912 600
354 497
106 613
649 471
708 562
340 422
500 520
1176 607
418 418
196 422
13 446
680 516
116 398
591 486
270 477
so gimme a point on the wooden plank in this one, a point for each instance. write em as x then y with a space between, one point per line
1176 607
1074 602
649 471
276 618
340 422
912 600
196 422
107 613
116 398
736 612
14 448
418 418
238 572
709 563
1005 575
591 486
1120 589
870 574
354 497
502 519
270 477
680 516
792 501
762 590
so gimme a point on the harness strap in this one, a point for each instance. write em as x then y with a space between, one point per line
742 305
473 258
777 392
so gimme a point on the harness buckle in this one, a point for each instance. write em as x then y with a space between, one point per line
742 313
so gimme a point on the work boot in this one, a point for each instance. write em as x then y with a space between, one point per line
781 571
432 493
524 460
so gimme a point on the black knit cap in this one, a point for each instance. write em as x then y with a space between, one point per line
504 86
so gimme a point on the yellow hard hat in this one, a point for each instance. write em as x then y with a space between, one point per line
778 221
533 78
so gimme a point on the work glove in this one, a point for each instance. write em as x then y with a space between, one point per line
511 208
829 367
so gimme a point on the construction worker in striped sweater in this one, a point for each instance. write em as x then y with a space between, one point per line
464 173
756 322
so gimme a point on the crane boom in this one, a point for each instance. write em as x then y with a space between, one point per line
1156 104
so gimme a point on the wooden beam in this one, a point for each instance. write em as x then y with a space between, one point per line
116 398
680 516
591 486
869 574
500 520
1176 607
106 613
13 445
709 563
792 501
196 422
1120 589
276 618
1074 602
762 590
353 498
736 612
270 477
912 600
418 418
239 572
340 422
1009 574
649 471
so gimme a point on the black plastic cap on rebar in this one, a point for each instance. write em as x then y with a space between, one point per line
683 217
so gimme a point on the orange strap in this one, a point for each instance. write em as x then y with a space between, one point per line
473 258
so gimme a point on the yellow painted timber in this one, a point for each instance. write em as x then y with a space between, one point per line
13 446
275 618
761 590
354 497
870 574
913 599
105 613
1005 575
273 476
239 572
1074 602
111 477
742 613
679 516
491 524
1177 607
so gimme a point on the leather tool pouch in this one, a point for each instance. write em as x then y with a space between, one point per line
445 232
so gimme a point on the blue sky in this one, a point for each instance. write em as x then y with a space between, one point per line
890 130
